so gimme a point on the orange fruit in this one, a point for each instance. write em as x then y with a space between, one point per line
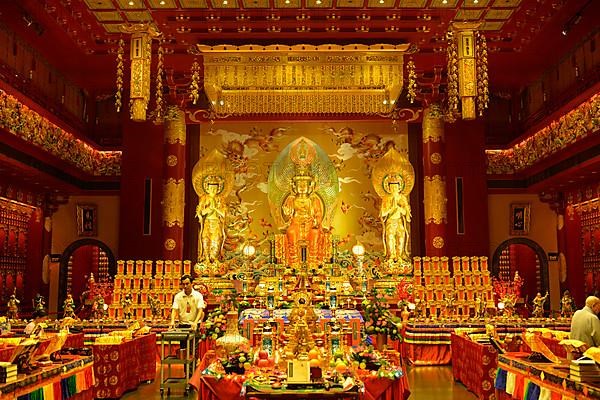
314 362
341 368
313 354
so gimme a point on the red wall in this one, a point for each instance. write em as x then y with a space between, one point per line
142 158
465 158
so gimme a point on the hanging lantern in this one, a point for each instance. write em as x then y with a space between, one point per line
467 70
141 58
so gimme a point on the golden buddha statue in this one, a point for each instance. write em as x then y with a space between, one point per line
393 178
212 181
303 190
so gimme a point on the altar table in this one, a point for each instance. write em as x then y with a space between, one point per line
230 386
474 364
122 367
71 379
526 379
73 340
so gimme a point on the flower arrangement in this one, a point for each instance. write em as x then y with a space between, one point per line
367 358
214 326
379 319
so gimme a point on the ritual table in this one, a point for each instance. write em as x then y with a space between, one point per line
71 379
229 387
474 364
519 378
122 367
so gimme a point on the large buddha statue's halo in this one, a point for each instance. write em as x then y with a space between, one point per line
212 170
303 159
393 166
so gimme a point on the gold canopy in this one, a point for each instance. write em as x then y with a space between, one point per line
303 79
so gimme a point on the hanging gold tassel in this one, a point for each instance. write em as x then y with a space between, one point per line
195 85
158 114
412 81
120 66
452 74
482 74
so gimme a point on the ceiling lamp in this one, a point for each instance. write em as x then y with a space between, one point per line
303 79
467 70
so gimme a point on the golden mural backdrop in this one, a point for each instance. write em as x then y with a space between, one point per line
251 148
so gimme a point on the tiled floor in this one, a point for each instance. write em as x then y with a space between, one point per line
435 383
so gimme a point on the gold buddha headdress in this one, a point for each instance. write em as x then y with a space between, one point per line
211 170
393 168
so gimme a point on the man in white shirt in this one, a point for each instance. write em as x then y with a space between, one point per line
188 305
585 325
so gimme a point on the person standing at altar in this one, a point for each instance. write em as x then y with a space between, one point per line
211 212
188 305
395 215
585 325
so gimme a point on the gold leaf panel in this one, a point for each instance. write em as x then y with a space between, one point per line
138 16
381 3
463 15
100 4
498 14
412 3
104 16
314 4
287 3
492 25
506 3
224 3
440 4
131 4
112 28
350 3
472 3
162 3
193 3
256 3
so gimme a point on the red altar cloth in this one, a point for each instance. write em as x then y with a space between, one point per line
228 388
122 367
474 365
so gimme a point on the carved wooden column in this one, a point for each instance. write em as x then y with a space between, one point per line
434 181
173 201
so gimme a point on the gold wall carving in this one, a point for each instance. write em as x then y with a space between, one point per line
434 193
175 126
433 124
172 160
353 79
173 202
435 158
170 244
438 242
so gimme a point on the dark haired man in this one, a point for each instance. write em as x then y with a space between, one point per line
188 305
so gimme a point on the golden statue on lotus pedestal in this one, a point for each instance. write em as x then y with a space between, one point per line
393 178
212 181
303 189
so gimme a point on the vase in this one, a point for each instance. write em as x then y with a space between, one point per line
381 341
232 339
404 314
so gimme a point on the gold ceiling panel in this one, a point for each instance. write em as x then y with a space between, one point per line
131 4
287 3
301 79
166 4
492 25
475 3
440 4
100 4
496 13
224 3
112 28
350 3
138 16
315 4
193 3
468 15
412 3
506 3
256 3
382 3
104 16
